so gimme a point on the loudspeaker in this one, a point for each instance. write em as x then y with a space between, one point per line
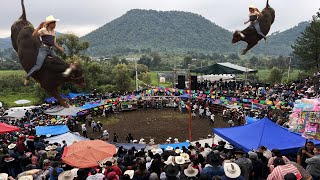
194 82
181 82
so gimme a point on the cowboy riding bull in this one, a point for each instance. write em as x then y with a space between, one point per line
258 29
52 72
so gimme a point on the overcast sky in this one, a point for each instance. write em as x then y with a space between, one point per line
83 16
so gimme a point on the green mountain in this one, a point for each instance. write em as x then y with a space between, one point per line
160 30
280 43
5 43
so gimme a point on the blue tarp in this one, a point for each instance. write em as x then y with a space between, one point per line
185 96
130 145
250 120
262 133
74 95
52 130
185 144
90 105
52 99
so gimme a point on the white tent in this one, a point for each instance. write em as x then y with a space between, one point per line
216 77
61 111
68 137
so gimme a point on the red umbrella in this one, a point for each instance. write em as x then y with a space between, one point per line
88 153
6 128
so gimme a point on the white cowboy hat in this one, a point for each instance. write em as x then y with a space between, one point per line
53 147
178 151
50 19
48 148
232 170
185 156
141 139
179 160
130 173
4 176
252 7
29 177
169 160
12 145
68 175
169 148
159 151
191 172
170 138
48 135
151 140
135 141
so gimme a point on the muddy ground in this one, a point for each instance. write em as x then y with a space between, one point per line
158 124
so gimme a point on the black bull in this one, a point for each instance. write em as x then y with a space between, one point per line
50 75
250 35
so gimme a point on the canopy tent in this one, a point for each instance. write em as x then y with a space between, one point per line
52 130
16 114
250 120
68 137
52 99
262 133
224 68
130 145
87 154
74 95
185 144
6 128
61 111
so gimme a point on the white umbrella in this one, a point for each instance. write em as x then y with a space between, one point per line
22 101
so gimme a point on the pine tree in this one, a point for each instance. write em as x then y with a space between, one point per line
307 46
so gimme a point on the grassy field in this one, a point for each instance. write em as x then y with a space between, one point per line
8 99
15 72
264 74
155 80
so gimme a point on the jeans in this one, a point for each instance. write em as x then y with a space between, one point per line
257 27
43 53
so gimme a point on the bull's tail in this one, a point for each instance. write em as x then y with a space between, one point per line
23 16
267 5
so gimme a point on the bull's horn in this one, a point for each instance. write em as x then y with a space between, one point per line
242 35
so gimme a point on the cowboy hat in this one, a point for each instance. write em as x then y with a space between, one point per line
252 7
29 177
185 156
68 175
169 148
190 171
135 141
4 176
169 160
50 19
178 151
53 147
179 160
130 173
48 148
159 151
12 145
171 170
232 170
151 140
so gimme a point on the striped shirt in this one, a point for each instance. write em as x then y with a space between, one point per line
280 171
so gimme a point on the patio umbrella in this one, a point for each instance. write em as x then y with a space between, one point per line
88 153
22 101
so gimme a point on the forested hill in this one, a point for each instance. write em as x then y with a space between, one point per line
280 43
159 30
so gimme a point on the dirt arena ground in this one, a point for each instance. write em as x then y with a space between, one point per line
158 124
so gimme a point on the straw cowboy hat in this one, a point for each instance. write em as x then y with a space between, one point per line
48 148
178 151
53 147
179 160
3 176
169 148
232 170
68 175
185 156
130 173
12 145
190 171
170 160
50 19
252 7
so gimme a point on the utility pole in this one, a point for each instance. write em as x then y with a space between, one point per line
289 68
174 76
190 103
137 85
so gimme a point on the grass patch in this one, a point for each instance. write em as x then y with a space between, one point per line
13 72
8 99
264 74
108 121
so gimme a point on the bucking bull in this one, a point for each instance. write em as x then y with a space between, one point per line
250 35
50 75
